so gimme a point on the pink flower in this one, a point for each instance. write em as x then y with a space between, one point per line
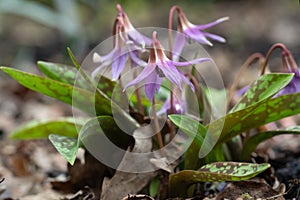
127 41
158 67
194 32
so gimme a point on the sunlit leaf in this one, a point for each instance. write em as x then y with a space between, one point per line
264 87
63 73
42 129
64 92
255 115
70 75
66 146
251 143
219 171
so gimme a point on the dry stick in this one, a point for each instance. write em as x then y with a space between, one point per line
247 63
156 125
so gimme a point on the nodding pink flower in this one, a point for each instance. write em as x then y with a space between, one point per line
160 66
127 41
132 33
194 32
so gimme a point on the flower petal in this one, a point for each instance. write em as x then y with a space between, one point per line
178 46
118 64
211 24
191 62
171 72
153 82
197 36
136 60
145 73
138 38
215 37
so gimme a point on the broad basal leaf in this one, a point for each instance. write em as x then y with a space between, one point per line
250 144
64 92
42 129
70 75
66 146
256 115
264 87
63 73
219 171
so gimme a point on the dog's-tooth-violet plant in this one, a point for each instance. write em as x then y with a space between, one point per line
258 106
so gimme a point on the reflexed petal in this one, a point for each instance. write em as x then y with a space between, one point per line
197 36
215 37
205 26
191 62
118 64
97 70
171 72
105 61
97 58
178 46
136 60
145 73
138 38
153 82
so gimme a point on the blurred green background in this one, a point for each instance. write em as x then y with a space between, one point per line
43 29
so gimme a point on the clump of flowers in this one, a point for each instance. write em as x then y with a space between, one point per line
271 97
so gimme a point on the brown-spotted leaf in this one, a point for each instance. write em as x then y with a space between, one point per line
264 87
218 171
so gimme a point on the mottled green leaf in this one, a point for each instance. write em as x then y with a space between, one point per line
42 129
64 92
255 115
251 143
90 102
219 171
264 87
63 73
66 146
70 75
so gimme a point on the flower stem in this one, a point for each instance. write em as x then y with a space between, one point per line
137 94
172 127
247 63
284 50
171 13
156 124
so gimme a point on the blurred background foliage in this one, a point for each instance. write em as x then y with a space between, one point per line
32 30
